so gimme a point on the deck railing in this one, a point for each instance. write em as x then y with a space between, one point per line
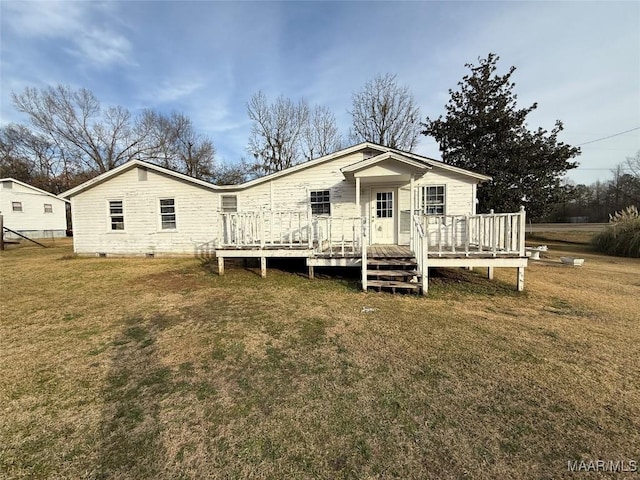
420 248
442 235
492 233
291 229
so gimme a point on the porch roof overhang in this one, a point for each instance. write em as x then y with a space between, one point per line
389 165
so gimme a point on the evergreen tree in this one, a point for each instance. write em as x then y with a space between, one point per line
484 131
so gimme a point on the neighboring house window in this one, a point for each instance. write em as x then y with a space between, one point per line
433 199
116 214
48 208
168 213
229 203
16 206
320 202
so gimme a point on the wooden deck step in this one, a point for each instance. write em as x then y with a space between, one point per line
393 285
391 261
392 273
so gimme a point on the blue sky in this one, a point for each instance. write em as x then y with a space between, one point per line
580 61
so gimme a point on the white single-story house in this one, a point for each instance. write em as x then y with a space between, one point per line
30 211
354 207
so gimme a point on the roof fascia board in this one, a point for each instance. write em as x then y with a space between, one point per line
9 179
354 167
129 165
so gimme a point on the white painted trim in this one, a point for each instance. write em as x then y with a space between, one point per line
159 214
132 164
26 185
354 167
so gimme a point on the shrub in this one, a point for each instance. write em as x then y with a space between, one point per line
622 235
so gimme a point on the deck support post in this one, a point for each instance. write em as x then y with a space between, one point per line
490 273
364 256
520 279
425 280
220 266
263 267
311 272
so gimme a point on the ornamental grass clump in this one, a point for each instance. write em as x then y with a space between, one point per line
622 236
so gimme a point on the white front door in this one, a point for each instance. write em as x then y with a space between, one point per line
383 215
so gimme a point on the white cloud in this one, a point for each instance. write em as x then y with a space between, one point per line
81 25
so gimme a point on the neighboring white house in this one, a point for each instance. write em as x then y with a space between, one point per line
31 211
329 210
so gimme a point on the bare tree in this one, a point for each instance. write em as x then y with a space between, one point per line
320 136
385 113
231 174
174 143
96 139
633 165
276 132
34 158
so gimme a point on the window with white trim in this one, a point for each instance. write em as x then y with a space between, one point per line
116 214
320 202
16 206
48 208
168 213
433 199
229 203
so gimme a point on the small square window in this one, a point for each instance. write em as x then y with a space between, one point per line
48 208
229 203
320 202
16 206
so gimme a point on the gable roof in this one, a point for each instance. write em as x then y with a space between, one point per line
103 177
9 179
354 167
385 153
430 162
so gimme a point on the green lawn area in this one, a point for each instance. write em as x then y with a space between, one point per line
130 368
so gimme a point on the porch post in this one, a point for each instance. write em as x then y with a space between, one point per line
359 210
412 207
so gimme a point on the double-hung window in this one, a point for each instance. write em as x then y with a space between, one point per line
16 206
433 199
168 213
116 214
320 202
48 208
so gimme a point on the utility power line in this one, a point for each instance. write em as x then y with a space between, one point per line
610 136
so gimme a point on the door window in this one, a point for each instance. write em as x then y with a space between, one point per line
384 204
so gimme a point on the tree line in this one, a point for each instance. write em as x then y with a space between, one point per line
596 202
71 137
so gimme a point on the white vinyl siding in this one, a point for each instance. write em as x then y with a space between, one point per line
23 210
116 214
196 210
167 214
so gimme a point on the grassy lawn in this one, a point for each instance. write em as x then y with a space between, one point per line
158 368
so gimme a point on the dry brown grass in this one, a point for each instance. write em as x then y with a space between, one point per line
158 368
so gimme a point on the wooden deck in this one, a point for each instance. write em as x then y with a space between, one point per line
390 251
